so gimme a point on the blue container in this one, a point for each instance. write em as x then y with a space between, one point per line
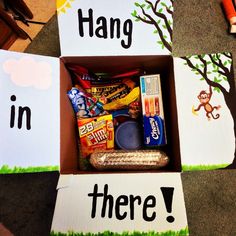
128 136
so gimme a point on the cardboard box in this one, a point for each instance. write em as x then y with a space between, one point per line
46 134
172 71
151 64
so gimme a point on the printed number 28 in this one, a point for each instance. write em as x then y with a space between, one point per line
86 128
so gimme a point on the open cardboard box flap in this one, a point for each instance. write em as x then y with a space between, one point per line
92 28
30 117
103 203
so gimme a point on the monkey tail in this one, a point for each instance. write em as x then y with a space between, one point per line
216 116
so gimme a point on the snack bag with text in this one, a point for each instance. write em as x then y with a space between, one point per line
96 133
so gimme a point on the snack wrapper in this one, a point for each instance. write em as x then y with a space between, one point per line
84 105
129 160
153 112
96 134
123 102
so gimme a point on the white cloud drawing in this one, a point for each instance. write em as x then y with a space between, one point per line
26 72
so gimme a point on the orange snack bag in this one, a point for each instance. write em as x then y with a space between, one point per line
96 133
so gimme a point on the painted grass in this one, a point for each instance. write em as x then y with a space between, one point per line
182 232
5 169
203 167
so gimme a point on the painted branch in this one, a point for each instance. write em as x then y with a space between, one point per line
144 20
162 16
166 44
205 64
190 64
204 75
231 81
227 72
229 56
169 11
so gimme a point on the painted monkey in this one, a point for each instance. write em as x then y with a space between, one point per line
204 99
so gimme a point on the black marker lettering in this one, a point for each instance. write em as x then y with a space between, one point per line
149 202
21 112
128 28
82 20
94 195
125 206
107 199
102 27
132 207
101 31
122 200
13 112
113 23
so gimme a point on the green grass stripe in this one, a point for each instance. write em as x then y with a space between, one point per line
203 167
182 232
5 169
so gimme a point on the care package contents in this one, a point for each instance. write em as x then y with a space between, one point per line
111 126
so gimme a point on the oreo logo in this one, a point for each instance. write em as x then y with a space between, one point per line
154 133
155 129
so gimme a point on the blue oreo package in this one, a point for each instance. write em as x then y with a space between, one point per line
154 131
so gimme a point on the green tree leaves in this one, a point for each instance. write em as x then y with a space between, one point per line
158 14
215 69
134 13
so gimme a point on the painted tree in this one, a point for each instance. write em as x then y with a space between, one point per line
217 71
159 15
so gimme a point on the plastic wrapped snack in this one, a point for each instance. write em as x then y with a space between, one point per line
129 160
84 105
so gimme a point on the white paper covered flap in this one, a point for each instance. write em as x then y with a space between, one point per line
29 101
65 181
205 93
148 202
101 28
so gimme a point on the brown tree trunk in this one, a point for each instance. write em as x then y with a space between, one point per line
231 103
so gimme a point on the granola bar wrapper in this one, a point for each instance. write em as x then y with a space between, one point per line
129 160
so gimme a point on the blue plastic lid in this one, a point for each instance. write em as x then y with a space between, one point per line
128 135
